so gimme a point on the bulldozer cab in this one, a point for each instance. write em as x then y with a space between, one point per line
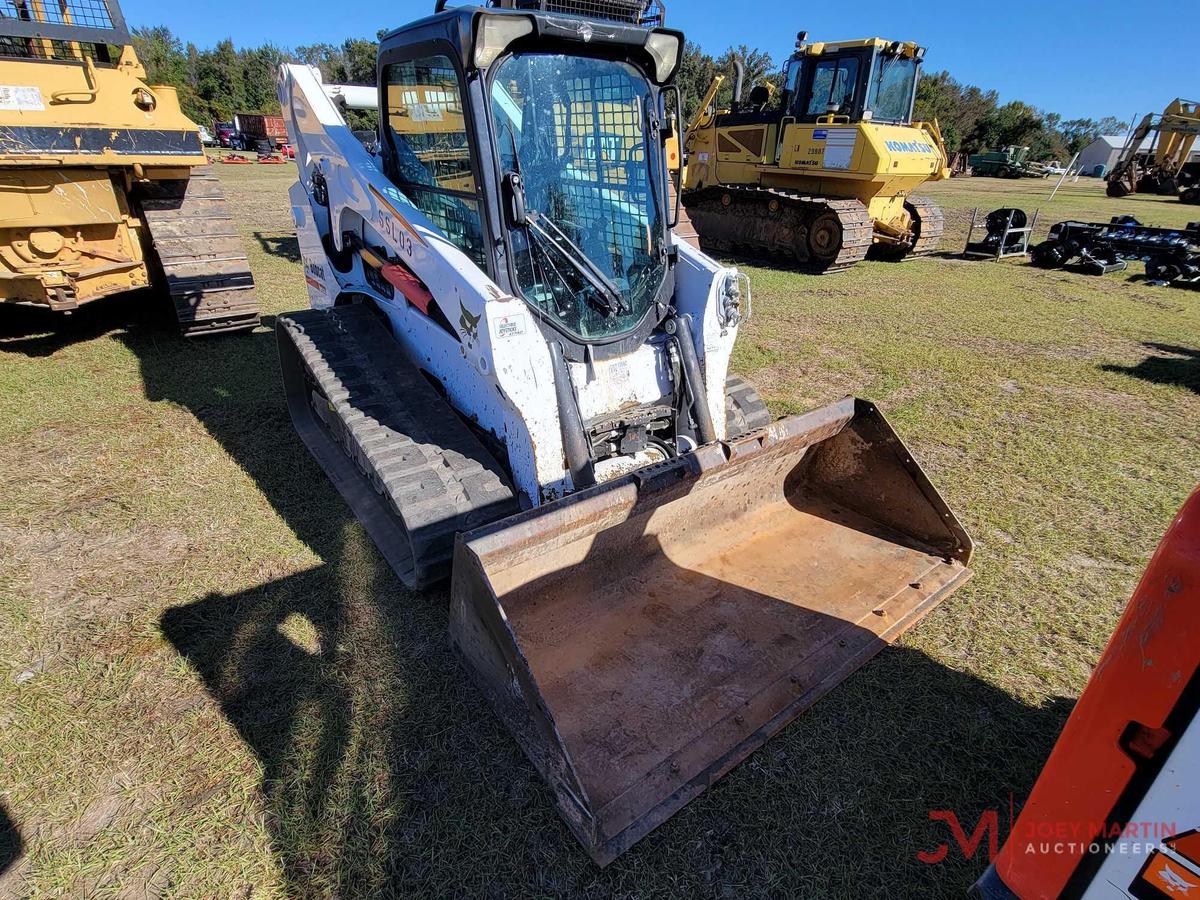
854 81
536 143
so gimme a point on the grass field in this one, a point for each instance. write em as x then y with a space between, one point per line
212 686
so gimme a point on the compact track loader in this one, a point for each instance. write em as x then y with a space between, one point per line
104 185
823 171
517 376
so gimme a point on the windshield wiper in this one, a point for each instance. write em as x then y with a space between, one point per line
607 294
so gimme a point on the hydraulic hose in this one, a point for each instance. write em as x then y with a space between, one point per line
694 378
575 442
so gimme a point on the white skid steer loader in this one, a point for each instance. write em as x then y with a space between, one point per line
516 375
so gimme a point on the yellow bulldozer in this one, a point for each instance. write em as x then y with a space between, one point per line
103 179
823 170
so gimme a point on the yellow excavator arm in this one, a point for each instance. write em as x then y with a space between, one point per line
703 111
1177 130
1177 126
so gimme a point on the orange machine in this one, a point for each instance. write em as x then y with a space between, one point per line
1116 810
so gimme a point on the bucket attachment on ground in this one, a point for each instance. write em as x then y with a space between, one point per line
641 637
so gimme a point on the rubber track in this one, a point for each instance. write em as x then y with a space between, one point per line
407 445
745 410
932 225
747 225
200 253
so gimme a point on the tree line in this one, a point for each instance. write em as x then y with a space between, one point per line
216 82
972 120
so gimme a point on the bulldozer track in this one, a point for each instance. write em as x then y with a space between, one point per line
200 254
410 468
773 223
931 223
684 229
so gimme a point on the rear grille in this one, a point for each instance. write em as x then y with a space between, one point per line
44 48
62 29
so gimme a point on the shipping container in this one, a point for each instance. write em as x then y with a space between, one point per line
255 128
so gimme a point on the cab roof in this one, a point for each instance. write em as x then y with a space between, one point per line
820 48
554 32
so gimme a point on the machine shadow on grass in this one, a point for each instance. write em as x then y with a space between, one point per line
280 244
1169 364
385 772
36 331
11 844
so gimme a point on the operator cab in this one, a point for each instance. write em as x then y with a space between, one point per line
535 142
852 81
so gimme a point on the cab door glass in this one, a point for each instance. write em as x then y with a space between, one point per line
575 130
794 72
431 157
833 87
891 94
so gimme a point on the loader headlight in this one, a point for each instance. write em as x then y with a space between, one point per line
495 33
663 47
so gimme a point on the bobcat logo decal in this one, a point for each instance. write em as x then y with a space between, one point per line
469 323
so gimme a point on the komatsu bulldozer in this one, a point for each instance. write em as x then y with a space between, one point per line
822 171
517 376
103 179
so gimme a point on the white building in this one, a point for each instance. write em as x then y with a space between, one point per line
1103 151
1106 149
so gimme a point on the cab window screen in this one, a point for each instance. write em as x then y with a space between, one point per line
833 86
432 159
575 128
891 94
98 32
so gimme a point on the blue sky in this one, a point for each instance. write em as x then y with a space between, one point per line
1079 59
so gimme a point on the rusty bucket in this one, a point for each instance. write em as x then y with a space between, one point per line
642 637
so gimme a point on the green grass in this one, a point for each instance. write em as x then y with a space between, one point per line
231 695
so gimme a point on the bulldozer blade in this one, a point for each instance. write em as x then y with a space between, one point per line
642 637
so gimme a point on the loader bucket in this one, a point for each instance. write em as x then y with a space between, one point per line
642 637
